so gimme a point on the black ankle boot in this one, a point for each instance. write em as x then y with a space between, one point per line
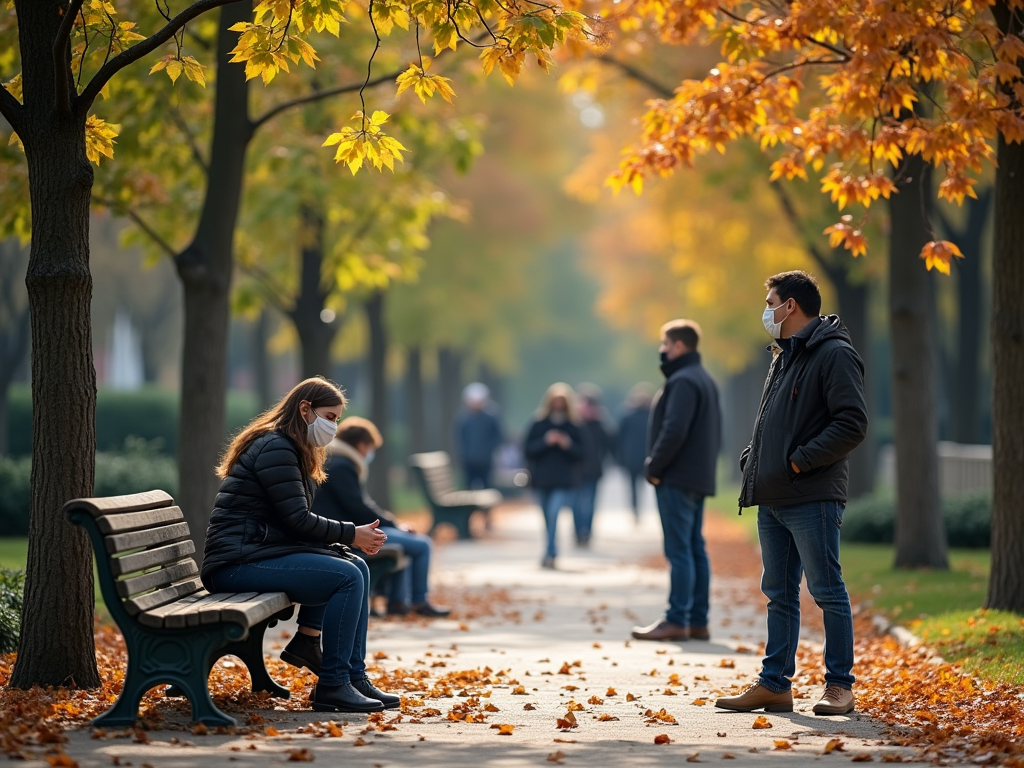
368 689
304 651
342 698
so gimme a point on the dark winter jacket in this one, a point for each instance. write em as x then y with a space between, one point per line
343 497
813 414
631 441
552 466
479 435
262 510
597 444
685 429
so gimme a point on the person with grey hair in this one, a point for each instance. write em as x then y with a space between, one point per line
478 435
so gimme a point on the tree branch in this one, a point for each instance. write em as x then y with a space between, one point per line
147 46
197 155
10 107
61 63
636 74
810 244
141 223
270 291
273 112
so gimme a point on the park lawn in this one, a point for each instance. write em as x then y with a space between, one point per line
989 644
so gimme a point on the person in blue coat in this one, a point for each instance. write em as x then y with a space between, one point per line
631 440
478 436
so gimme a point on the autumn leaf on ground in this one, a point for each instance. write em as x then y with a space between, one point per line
611 692
782 744
606 718
300 756
567 722
630 697
662 738
565 741
529 707
575 706
694 758
728 756
200 729
595 700
862 757
360 742
491 708
556 757
504 729
61 760
699 702
272 731
727 664
761 722
519 690
834 745
565 669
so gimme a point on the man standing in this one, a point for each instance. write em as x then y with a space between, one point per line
479 435
683 439
631 439
795 471
597 443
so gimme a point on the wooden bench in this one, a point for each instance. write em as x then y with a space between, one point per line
434 472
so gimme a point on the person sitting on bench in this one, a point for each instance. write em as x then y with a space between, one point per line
263 537
344 497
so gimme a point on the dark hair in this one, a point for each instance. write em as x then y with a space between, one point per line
799 286
686 331
356 431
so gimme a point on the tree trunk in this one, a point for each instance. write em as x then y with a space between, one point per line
855 311
261 361
315 334
920 534
414 384
1006 582
205 268
378 482
449 381
56 646
965 403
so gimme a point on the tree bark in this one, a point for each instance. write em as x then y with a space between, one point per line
315 334
449 381
378 483
1006 582
920 534
56 646
414 392
205 268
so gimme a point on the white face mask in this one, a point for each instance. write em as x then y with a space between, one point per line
321 432
369 456
768 318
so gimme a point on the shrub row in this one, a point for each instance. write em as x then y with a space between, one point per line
968 520
12 591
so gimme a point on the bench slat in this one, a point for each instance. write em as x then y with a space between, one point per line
133 502
164 534
158 616
253 611
163 596
133 521
151 558
210 612
155 579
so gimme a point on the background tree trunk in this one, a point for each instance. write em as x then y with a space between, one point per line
920 534
449 380
261 370
414 393
378 483
15 326
205 268
56 645
315 335
1006 582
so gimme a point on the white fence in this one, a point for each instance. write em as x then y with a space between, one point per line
962 468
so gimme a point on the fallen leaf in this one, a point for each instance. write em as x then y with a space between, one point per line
272 731
728 756
519 690
727 664
62 760
200 729
360 742
761 722
606 718
595 700
834 745
863 757
504 729
565 741
491 708
529 707
693 758
556 757
611 692
662 738
569 721
300 756
782 744
575 706
630 697
699 702
720 735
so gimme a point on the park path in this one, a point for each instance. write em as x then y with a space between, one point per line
524 644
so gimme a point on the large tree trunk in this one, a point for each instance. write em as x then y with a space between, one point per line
315 334
414 393
920 534
449 382
855 311
56 646
1006 583
205 268
378 483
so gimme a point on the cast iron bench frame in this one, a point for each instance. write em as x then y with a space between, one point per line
433 470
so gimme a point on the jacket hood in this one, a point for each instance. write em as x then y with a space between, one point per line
830 327
341 448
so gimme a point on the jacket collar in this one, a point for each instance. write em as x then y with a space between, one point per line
341 448
683 361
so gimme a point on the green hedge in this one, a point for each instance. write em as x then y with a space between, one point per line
149 413
968 520
139 467
12 590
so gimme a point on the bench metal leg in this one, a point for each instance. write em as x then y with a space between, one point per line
250 651
457 516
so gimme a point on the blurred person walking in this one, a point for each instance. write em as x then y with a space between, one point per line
554 454
683 442
631 439
597 444
478 436
796 471
343 496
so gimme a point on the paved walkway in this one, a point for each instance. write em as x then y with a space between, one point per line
525 644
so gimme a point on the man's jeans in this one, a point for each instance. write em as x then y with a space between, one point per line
797 539
583 511
682 517
332 592
552 501
478 476
409 585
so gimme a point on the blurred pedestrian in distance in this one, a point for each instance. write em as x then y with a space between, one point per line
343 497
683 442
597 444
478 435
554 454
631 440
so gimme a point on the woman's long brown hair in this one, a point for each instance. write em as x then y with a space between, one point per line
285 417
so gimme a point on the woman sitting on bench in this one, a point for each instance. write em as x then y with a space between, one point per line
263 537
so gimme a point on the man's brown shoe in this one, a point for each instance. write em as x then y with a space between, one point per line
661 630
835 701
699 633
758 697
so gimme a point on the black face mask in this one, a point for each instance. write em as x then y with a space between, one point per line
663 356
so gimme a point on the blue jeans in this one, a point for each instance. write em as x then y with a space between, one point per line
682 518
583 511
332 592
552 501
409 585
478 476
797 539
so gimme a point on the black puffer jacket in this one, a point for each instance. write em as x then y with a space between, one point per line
812 414
262 510
552 466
